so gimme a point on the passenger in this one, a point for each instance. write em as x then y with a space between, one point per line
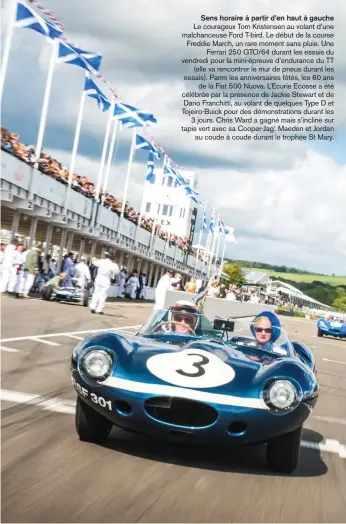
266 328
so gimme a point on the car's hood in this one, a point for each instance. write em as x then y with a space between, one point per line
202 365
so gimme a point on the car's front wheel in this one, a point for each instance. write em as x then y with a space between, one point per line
90 425
283 451
319 333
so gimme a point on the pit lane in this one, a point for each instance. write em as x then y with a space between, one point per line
48 475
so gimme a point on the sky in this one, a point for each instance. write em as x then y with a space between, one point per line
285 201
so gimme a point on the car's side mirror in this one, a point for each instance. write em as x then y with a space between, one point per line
224 324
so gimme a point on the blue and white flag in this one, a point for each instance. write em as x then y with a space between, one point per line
143 143
211 224
221 227
150 176
69 54
168 170
190 191
195 200
29 19
204 221
130 116
91 89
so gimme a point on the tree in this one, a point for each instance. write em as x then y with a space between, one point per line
340 304
235 273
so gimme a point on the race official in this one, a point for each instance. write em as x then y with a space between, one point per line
106 272
6 265
82 273
17 261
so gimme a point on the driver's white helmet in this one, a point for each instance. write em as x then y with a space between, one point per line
187 309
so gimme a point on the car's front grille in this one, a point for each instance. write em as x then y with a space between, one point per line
180 411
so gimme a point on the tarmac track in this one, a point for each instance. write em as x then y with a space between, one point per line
48 475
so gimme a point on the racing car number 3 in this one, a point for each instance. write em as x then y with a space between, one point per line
191 368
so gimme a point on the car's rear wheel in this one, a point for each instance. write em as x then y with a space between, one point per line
283 451
90 425
319 333
47 292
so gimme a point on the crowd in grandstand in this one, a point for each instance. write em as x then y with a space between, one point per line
10 142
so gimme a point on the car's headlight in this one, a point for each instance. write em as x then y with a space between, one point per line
96 363
323 324
281 395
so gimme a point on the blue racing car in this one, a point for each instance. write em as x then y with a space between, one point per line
333 327
182 377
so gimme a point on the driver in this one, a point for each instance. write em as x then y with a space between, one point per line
186 313
266 328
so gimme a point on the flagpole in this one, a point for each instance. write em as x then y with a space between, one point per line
127 179
7 46
223 256
110 156
218 247
213 246
156 207
200 233
104 151
46 101
208 238
74 150
141 211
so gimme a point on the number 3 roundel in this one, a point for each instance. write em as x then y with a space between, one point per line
192 368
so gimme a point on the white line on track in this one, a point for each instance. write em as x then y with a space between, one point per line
43 341
336 361
330 342
58 405
331 420
8 350
75 337
120 328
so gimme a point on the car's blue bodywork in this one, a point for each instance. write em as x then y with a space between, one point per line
333 328
231 410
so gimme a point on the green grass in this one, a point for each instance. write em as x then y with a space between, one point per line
298 277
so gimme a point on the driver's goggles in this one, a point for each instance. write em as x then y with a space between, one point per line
190 321
260 330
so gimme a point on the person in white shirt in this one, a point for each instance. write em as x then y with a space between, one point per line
82 273
106 272
6 265
231 295
132 284
165 283
17 261
122 279
143 289
20 280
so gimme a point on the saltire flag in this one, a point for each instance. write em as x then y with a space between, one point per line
204 221
195 200
221 227
211 224
190 191
150 176
91 89
69 54
143 143
168 170
130 116
29 19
